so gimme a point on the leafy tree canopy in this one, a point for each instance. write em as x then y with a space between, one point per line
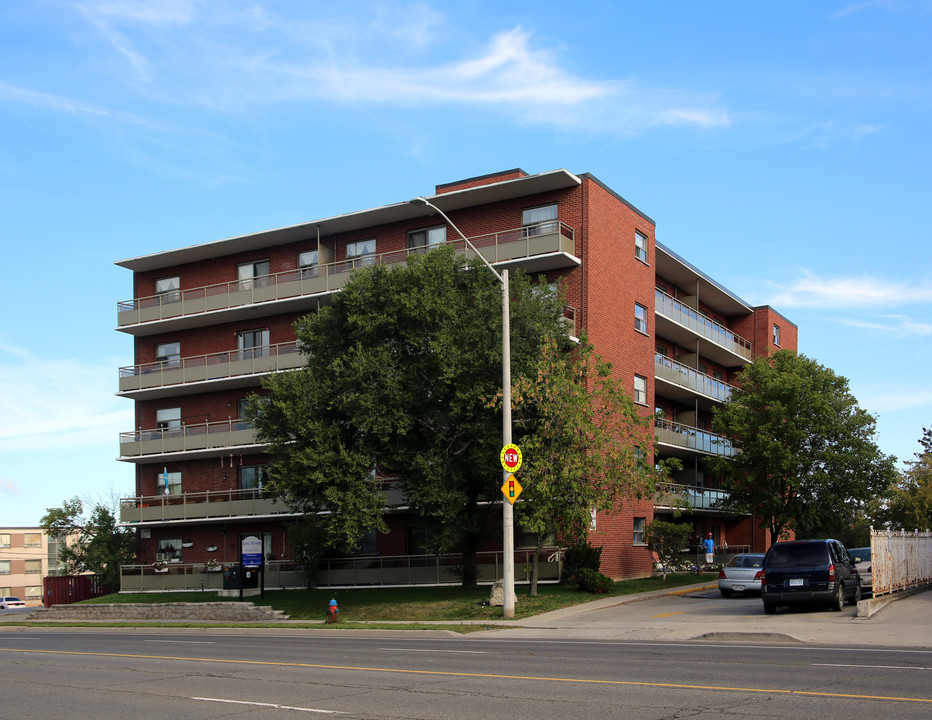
92 543
401 371
806 447
909 500
584 444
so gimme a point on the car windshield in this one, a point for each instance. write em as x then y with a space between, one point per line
797 554
863 553
746 561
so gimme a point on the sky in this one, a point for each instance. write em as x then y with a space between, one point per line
783 148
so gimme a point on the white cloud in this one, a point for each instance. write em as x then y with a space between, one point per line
812 290
49 404
895 325
8 487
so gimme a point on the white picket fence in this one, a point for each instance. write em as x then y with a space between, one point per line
900 559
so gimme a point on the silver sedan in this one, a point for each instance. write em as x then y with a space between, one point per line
741 574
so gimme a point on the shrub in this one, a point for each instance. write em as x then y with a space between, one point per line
592 581
580 557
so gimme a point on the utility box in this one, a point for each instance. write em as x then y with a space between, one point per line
231 578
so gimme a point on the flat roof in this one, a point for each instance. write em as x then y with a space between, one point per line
447 201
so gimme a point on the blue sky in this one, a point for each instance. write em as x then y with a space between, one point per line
783 148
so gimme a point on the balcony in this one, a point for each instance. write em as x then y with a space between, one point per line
303 289
205 505
203 440
683 440
691 329
679 382
693 496
236 368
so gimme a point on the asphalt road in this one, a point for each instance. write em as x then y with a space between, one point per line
577 671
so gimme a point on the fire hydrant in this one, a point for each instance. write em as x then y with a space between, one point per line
333 612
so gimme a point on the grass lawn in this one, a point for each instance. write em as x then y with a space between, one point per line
417 604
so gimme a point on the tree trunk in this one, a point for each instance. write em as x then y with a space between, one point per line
470 561
535 571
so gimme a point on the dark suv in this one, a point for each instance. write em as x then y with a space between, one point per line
805 571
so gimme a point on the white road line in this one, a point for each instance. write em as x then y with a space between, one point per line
873 667
462 652
184 642
271 705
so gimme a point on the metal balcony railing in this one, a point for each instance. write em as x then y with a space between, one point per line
505 246
215 366
687 377
696 497
700 324
187 438
207 504
692 438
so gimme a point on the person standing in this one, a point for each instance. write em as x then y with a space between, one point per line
709 545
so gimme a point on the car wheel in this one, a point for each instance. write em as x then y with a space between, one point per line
724 592
770 608
856 598
839 598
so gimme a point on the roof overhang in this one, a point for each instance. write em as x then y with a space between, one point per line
398 212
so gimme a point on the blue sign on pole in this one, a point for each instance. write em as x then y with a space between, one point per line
251 552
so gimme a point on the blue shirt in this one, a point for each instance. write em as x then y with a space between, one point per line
709 545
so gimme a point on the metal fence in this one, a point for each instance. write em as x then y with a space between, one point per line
900 560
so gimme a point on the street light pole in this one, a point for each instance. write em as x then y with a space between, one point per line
508 538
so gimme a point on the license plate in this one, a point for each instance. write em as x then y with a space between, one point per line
796 582
739 587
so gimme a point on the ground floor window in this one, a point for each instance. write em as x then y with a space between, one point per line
639 538
169 550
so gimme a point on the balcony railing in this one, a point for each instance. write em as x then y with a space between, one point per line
187 438
692 438
216 366
205 505
674 372
509 245
352 571
701 325
698 498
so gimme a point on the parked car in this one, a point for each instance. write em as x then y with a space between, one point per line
807 571
862 561
741 574
11 602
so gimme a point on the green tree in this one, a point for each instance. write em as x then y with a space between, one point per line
583 442
400 375
92 543
909 500
806 448
667 540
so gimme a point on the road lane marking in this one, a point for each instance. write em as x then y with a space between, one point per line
493 676
669 614
185 642
872 667
428 650
271 705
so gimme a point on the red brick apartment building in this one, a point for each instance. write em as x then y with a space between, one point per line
211 320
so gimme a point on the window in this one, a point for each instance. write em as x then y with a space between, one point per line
307 263
168 483
640 246
427 239
639 538
32 540
253 274
168 419
640 457
241 406
33 567
776 335
717 374
361 253
367 543
4 567
640 318
4 591
169 354
661 350
168 289
33 592
169 550
640 390
253 343
250 477
539 220
4 540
